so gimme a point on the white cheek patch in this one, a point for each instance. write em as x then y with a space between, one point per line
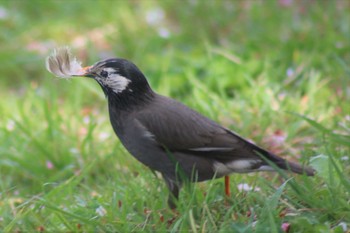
115 81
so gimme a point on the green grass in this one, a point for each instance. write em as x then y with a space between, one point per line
257 67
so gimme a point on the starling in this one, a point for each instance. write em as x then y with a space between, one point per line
164 134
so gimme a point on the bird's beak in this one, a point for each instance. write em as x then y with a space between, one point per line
86 72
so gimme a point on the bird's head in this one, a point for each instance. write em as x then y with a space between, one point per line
121 80
117 77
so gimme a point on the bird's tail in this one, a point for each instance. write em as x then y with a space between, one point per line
269 157
286 165
295 167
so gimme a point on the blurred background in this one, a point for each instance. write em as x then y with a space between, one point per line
166 36
252 65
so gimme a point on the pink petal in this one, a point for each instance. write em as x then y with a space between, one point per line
285 227
49 165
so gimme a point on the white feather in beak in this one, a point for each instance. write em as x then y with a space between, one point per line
62 64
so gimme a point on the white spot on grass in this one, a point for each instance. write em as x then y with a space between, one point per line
74 151
155 16
247 187
101 211
3 13
86 120
290 72
164 32
103 136
10 125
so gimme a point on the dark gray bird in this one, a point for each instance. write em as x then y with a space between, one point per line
171 138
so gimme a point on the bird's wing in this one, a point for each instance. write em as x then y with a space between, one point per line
178 128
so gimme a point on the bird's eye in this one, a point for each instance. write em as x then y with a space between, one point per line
104 74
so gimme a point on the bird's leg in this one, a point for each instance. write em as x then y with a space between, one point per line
174 188
227 186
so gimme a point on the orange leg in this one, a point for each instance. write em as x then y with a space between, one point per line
227 186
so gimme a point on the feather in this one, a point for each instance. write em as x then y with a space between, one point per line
62 64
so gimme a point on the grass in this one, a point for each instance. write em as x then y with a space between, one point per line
265 69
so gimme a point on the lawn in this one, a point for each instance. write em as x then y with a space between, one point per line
276 72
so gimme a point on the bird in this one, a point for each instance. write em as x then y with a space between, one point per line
171 138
